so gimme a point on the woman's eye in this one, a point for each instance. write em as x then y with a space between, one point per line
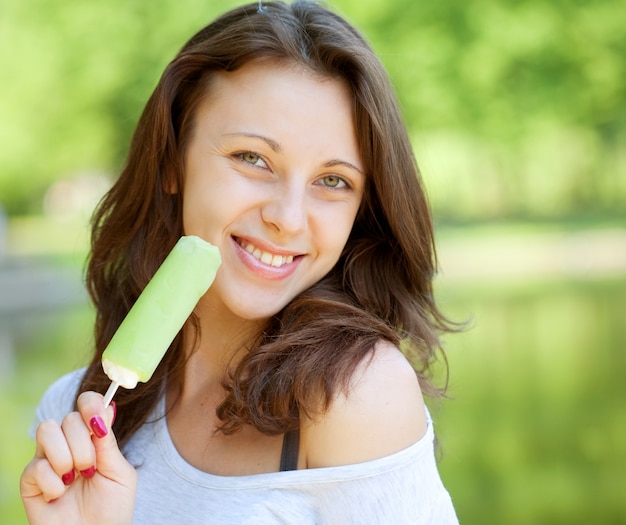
335 182
252 158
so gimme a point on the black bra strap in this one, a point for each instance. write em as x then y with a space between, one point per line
289 453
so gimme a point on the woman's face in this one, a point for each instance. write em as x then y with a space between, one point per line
274 178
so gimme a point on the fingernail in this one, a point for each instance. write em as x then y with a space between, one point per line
68 478
88 472
114 412
98 427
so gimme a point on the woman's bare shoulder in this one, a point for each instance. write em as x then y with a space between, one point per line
382 413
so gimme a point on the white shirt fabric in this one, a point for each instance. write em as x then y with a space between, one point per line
403 488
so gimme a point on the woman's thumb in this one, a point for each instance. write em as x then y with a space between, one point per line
109 460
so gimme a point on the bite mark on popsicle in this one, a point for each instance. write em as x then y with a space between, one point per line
140 342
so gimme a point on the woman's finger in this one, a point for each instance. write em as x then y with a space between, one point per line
40 479
52 446
78 438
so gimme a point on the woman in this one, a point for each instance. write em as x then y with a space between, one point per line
274 135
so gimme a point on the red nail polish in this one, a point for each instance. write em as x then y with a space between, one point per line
68 478
98 427
88 472
114 412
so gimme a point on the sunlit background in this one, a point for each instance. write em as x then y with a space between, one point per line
517 112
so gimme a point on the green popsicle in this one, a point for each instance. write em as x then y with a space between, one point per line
139 344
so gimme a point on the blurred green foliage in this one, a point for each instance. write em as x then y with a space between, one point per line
516 108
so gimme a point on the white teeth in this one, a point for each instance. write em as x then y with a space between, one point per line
266 257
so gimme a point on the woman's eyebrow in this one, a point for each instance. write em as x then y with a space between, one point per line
339 162
270 142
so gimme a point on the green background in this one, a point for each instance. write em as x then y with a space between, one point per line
517 112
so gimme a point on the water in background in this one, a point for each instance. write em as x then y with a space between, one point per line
536 432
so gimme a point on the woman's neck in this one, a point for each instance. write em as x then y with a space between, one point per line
222 341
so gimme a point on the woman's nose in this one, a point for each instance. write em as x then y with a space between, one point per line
286 209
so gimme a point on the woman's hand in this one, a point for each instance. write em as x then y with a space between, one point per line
78 475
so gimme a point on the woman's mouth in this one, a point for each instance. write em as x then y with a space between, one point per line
271 259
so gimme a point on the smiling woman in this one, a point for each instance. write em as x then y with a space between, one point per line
275 135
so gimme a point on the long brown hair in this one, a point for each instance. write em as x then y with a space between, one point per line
381 288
